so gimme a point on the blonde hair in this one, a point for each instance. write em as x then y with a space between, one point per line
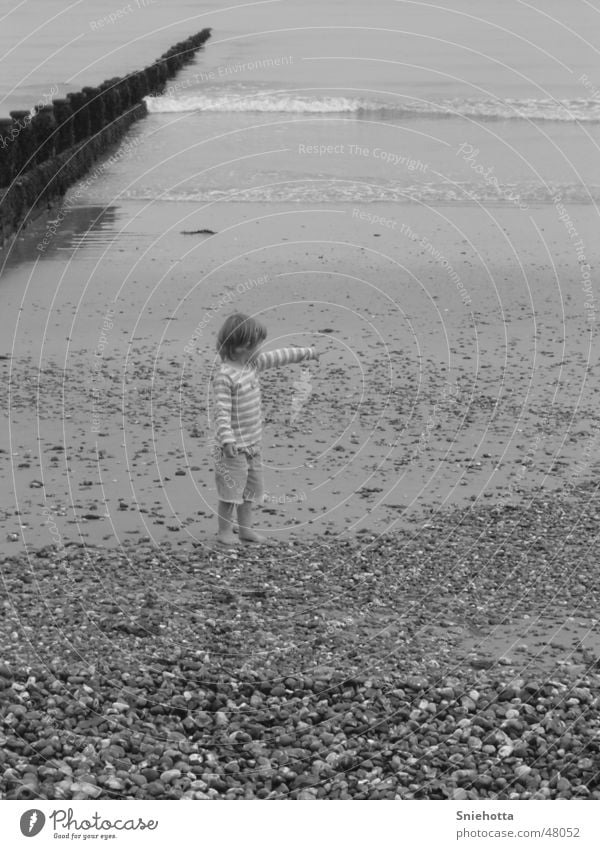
239 331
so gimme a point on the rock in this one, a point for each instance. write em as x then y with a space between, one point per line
89 791
522 771
323 673
446 693
482 663
417 682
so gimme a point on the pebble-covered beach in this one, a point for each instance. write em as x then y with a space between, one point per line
414 193
370 668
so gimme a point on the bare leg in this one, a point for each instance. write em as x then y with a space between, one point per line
225 534
244 513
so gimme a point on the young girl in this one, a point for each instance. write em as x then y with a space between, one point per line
238 421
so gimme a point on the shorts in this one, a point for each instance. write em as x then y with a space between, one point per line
239 478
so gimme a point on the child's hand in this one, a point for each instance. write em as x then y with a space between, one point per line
230 449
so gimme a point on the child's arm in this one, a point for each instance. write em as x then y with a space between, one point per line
283 357
223 404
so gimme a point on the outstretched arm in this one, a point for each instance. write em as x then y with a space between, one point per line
283 357
222 395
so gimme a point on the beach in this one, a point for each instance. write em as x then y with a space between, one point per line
417 199
422 400
459 662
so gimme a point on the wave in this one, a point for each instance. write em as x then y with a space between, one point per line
583 110
348 191
269 102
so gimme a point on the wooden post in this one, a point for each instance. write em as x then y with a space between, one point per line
124 94
96 108
81 116
112 102
23 142
7 148
43 126
64 124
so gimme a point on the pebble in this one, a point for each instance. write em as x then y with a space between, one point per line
522 771
88 790
292 711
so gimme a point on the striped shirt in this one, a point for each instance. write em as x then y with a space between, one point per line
236 396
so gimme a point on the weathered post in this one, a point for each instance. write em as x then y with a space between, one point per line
163 73
43 126
24 148
7 151
81 116
63 114
111 100
96 108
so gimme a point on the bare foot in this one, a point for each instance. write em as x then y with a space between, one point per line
256 538
228 540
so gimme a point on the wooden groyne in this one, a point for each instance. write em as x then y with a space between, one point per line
46 150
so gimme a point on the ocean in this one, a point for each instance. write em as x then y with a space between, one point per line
337 102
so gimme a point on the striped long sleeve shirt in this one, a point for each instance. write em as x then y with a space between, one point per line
236 396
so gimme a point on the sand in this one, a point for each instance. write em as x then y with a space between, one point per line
438 387
431 489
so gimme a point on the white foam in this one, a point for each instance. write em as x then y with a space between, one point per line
267 101
350 191
252 103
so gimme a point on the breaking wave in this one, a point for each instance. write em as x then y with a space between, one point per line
574 110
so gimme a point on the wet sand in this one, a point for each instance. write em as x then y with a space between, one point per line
429 395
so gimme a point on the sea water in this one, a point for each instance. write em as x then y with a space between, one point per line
339 101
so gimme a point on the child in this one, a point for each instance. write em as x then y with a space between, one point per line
238 421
